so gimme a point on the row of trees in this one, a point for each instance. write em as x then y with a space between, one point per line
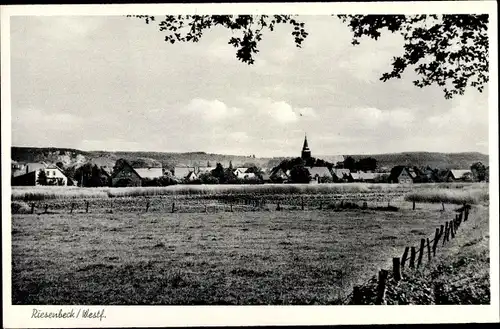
363 164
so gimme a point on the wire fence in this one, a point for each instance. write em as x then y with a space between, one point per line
428 246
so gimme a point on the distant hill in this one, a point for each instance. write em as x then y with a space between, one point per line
73 157
432 159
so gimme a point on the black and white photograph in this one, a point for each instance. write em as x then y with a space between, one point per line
192 157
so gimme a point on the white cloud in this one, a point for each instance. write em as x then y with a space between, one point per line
211 110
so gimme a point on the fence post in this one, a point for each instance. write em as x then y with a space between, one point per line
436 240
413 204
86 206
452 229
382 277
33 208
421 252
428 250
442 204
278 208
320 204
412 257
111 206
466 215
72 207
231 207
46 208
173 207
356 296
206 208
302 205
405 257
441 232
147 205
396 268
445 233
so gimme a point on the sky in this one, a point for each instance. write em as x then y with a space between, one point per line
111 83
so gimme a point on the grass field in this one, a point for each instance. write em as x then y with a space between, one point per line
289 257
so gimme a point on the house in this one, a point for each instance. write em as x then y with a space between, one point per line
319 174
191 176
266 178
19 169
203 170
461 175
401 175
367 177
245 175
149 173
30 175
126 175
240 172
342 175
181 172
279 176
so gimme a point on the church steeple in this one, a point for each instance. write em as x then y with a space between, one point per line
306 152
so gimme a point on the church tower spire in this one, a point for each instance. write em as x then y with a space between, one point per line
306 152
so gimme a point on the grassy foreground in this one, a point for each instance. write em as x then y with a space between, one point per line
458 276
256 258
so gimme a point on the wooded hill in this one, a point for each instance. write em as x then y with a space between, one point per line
76 158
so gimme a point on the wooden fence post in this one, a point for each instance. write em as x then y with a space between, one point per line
396 269
147 205
412 257
442 204
278 208
405 257
33 208
466 215
86 206
72 207
441 231
445 233
206 210
382 277
231 207
421 252
357 299
111 206
436 240
173 207
302 205
428 250
46 208
413 204
320 204
452 229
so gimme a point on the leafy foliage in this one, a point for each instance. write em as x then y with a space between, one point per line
190 28
42 177
448 50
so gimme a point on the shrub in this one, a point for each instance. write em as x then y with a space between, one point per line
19 207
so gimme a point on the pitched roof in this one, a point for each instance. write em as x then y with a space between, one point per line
460 173
341 172
124 163
245 175
181 172
360 175
319 171
149 172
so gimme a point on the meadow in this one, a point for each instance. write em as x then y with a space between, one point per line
249 256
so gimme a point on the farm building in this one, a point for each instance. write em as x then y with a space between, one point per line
463 175
245 175
125 176
191 176
319 174
342 175
279 176
203 170
30 174
361 176
401 175
150 173
181 172
19 169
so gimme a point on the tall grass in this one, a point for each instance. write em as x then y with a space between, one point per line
457 196
420 192
36 193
